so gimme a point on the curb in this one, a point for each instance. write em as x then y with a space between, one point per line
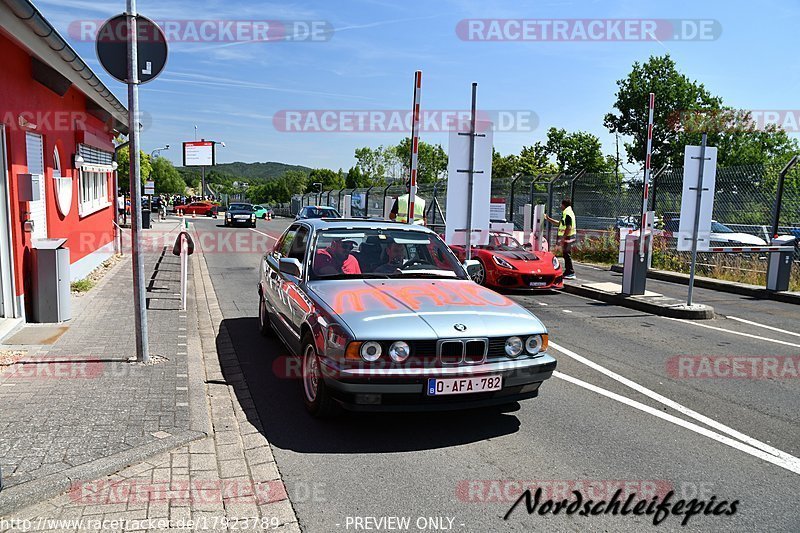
732 287
640 304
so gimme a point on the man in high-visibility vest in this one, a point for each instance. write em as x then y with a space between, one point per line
567 234
399 210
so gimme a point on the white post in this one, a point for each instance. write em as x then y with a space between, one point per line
184 270
412 192
646 180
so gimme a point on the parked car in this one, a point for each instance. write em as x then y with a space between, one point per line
262 211
240 214
317 211
208 209
721 235
383 317
505 263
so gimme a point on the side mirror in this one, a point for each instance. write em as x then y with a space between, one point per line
472 266
290 266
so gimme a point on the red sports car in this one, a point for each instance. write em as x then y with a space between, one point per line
198 208
506 264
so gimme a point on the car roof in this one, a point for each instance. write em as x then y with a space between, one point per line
360 223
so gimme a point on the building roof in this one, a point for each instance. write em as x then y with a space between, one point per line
23 21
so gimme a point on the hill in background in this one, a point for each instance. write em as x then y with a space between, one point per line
247 171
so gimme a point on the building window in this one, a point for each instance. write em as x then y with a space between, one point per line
63 186
93 191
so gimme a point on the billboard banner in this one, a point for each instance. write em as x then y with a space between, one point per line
198 154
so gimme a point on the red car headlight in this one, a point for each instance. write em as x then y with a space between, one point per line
499 261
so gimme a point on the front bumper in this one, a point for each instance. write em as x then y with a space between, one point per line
404 389
510 279
242 221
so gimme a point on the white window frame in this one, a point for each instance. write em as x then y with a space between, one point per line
93 189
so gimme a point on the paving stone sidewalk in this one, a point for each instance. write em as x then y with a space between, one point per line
227 481
78 406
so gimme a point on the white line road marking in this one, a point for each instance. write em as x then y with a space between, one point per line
763 326
757 337
566 310
542 304
265 234
792 466
680 408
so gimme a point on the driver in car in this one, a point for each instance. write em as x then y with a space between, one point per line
336 259
395 257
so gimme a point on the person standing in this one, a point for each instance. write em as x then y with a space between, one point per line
567 235
399 210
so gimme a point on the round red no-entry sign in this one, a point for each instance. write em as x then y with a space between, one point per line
112 48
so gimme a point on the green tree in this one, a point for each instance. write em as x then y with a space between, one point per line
675 94
123 167
355 179
294 181
330 180
372 163
504 167
167 178
533 160
431 160
576 151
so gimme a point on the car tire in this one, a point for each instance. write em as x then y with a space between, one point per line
480 277
264 216
264 325
317 400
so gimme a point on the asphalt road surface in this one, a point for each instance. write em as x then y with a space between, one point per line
633 405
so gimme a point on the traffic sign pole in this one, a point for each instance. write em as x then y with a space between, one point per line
696 227
140 312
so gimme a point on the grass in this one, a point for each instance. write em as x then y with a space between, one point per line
740 268
82 285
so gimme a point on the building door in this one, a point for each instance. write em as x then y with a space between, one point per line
35 150
7 304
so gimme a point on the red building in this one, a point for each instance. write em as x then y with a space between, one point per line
57 122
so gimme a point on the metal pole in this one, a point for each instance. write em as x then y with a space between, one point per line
471 171
203 182
696 226
412 191
140 311
655 188
510 214
776 209
646 179
578 176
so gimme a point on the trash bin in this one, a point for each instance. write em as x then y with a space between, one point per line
146 219
51 281
779 269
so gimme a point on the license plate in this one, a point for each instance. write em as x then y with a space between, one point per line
241 217
441 387
538 283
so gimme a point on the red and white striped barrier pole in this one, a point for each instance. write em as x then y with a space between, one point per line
412 193
749 249
646 184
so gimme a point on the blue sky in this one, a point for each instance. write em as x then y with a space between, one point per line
232 92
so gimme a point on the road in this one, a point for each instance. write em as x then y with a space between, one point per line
615 412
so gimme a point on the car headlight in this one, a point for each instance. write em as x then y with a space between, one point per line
513 346
371 351
399 351
503 263
535 344
556 264
228 215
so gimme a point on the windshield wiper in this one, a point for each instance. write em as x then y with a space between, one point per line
355 276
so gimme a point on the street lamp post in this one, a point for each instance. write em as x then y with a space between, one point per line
319 193
203 169
159 150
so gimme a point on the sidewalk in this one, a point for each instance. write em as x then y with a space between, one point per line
226 480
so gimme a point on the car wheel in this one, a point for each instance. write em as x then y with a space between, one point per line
480 274
264 325
315 395
264 216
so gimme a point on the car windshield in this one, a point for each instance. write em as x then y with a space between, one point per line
241 207
716 227
382 253
502 242
321 212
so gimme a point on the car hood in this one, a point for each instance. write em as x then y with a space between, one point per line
744 238
517 255
422 309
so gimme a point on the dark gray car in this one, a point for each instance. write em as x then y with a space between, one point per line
240 214
383 317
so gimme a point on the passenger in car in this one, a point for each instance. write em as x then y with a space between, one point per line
336 259
395 257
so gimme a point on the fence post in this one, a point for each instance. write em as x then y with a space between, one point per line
578 176
550 203
776 209
366 201
510 214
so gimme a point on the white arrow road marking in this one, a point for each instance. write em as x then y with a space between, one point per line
757 337
764 326
148 69
792 466
681 408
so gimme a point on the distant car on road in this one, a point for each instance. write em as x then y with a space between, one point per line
262 211
505 263
208 209
721 235
383 317
239 213
317 211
